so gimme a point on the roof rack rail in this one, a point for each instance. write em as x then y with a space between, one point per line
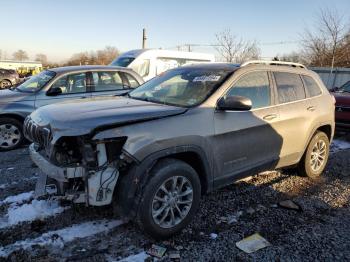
273 63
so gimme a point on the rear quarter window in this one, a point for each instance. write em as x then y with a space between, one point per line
289 87
311 86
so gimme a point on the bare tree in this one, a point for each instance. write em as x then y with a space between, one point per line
294 56
324 45
42 58
99 57
234 49
20 55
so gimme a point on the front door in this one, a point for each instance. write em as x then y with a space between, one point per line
245 141
73 86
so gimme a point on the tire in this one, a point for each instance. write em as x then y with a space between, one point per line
5 84
165 173
318 149
11 134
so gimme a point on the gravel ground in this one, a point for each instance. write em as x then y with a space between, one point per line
320 231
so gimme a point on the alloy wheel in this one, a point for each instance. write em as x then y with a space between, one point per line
172 202
318 155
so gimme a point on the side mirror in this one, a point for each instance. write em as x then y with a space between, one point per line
54 91
234 103
334 89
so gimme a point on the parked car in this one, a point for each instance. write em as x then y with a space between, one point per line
149 63
58 85
154 152
342 107
8 78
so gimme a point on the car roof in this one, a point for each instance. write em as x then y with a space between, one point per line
66 69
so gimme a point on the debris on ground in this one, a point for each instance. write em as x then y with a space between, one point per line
213 235
252 243
156 251
135 258
174 255
250 211
289 204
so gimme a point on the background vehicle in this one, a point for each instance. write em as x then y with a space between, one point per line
23 68
8 78
149 63
342 107
184 133
58 85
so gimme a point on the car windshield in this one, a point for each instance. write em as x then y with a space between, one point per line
122 61
185 87
345 87
36 82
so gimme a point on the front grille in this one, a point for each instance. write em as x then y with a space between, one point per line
37 134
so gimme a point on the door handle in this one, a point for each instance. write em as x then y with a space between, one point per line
270 117
311 108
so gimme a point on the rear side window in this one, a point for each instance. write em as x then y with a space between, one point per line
289 87
311 86
255 86
107 81
132 82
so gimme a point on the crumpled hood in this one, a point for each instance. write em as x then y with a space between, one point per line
80 117
7 96
342 99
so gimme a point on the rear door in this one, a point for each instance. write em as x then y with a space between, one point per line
73 86
295 119
246 140
112 83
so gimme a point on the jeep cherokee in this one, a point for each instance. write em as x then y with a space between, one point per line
193 129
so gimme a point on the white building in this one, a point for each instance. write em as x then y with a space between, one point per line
22 66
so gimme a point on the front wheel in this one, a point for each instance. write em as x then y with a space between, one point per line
5 84
11 134
316 156
170 199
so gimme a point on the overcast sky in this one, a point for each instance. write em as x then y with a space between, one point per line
61 28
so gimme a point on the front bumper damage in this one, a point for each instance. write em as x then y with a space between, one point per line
95 188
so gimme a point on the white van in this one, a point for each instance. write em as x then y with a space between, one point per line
151 62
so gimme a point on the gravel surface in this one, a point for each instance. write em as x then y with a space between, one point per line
319 231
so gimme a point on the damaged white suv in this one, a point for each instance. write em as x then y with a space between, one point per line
154 152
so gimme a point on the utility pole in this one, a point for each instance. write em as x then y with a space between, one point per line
144 38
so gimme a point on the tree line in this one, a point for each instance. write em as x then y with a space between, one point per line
100 57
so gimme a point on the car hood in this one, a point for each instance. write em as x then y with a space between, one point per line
342 99
7 96
83 117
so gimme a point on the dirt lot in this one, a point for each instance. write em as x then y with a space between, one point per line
50 231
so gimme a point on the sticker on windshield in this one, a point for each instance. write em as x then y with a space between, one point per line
206 78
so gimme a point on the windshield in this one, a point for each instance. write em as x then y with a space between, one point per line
36 82
185 87
122 61
345 87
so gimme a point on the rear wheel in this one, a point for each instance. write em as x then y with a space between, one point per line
11 134
315 158
170 199
5 84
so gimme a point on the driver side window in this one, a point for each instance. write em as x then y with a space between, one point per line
71 84
255 86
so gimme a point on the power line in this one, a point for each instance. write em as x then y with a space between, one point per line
217 45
